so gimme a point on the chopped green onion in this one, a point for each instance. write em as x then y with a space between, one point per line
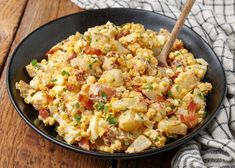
157 139
172 106
100 105
169 94
205 114
201 96
64 73
53 80
90 66
112 120
106 109
177 88
77 117
103 94
178 65
34 62
77 105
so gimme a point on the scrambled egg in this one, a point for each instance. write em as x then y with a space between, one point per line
105 91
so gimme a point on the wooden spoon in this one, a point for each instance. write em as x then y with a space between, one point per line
162 58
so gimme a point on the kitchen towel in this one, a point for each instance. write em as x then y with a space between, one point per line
214 20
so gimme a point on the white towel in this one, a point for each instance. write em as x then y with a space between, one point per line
214 20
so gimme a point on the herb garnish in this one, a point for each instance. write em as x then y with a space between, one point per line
64 73
100 105
201 96
104 96
169 94
77 105
77 117
90 66
112 120
205 114
106 109
34 62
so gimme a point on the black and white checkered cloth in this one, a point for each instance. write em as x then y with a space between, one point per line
214 20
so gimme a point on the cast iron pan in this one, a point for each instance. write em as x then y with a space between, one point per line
41 40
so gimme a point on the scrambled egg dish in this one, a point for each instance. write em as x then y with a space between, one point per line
104 90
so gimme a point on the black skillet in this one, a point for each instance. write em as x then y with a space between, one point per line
41 40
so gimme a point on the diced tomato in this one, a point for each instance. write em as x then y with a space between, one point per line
89 105
192 107
90 50
86 102
109 92
52 51
161 98
176 75
101 93
84 143
189 120
44 113
49 98
121 34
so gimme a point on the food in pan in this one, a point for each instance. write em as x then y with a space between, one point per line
104 90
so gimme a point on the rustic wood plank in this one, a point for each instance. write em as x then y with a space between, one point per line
40 12
20 146
10 15
67 7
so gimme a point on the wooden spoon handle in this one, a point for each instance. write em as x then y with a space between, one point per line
174 33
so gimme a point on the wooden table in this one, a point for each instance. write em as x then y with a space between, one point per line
20 146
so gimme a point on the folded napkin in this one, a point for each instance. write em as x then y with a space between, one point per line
215 22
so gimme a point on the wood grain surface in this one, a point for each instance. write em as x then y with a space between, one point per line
20 146
10 15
